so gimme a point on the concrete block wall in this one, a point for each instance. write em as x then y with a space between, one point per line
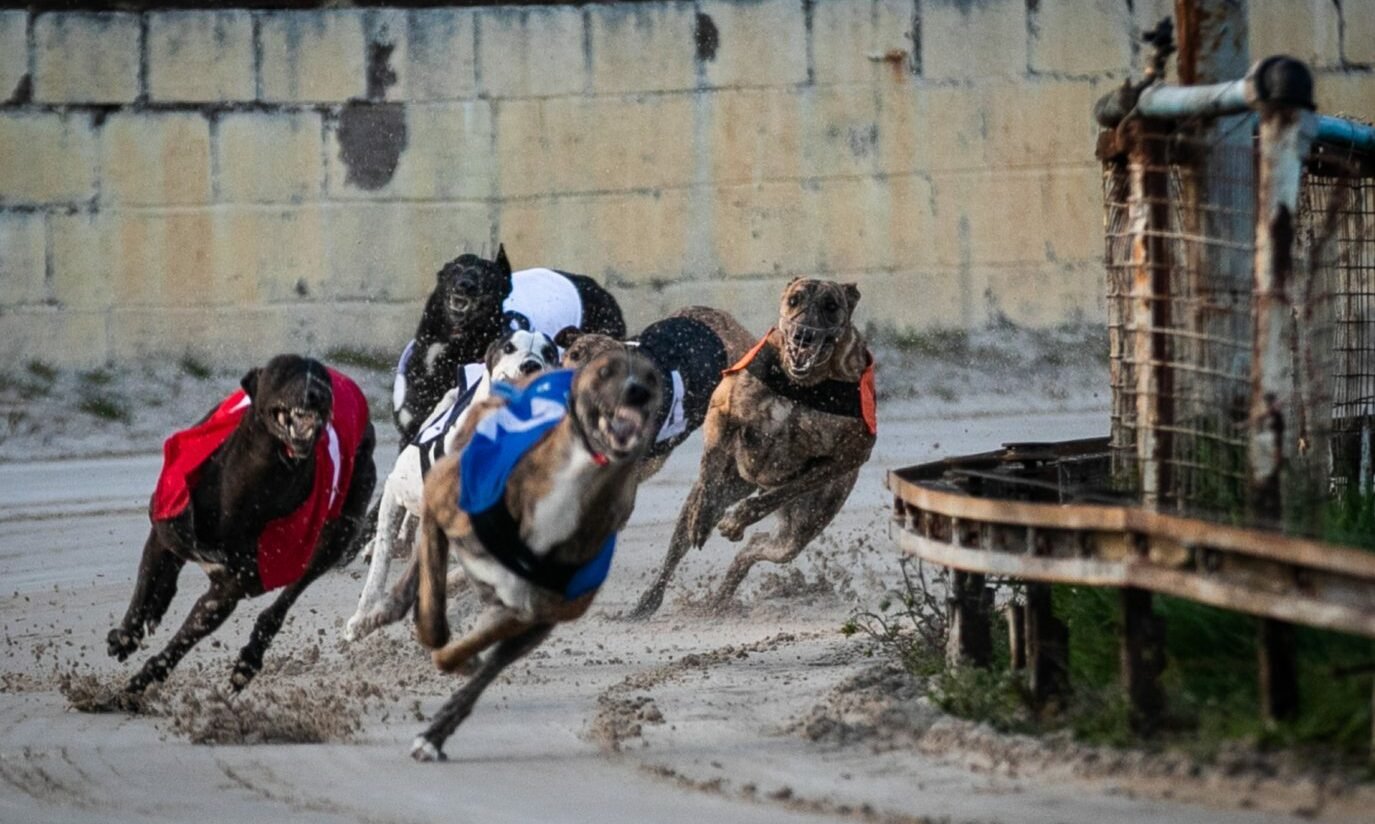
234 182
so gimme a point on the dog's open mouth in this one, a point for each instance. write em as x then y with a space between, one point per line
806 347
299 430
465 309
622 429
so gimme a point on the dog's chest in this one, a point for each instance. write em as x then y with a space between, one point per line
558 513
778 437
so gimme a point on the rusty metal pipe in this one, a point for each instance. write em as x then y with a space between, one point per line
1274 80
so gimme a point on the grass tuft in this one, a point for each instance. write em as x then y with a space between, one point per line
1210 678
106 408
196 368
374 359
42 371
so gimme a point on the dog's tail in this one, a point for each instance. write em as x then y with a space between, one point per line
431 620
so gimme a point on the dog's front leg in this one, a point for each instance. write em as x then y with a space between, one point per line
209 612
336 538
754 509
157 583
429 745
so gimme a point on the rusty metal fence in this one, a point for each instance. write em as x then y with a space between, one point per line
1181 222
1239 243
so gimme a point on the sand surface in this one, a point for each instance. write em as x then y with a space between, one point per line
766 713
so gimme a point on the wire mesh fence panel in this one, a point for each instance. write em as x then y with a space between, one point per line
1180 249
1180 218
1335 315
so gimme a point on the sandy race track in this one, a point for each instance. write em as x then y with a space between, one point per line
685 718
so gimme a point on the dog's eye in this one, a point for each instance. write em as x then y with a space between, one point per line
550 354
509 348
830 305
794 299
604 373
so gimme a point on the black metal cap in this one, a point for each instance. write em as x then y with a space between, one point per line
1281 80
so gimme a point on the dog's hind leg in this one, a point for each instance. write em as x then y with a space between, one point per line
429 745
391 516
394 605
703 508
495 623
157 583
209 612
800 521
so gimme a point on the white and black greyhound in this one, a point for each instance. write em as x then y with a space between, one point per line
511 356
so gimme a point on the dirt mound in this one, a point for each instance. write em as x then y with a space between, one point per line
88 693
272 715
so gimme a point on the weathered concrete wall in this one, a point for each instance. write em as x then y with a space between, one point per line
231 183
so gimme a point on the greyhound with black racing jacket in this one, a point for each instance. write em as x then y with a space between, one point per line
473 302
690 348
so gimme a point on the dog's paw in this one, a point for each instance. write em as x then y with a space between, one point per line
424 751
121 644
732 527
464 666
648 605
243 675
358 627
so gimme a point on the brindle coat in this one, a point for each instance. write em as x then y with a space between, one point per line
764 453
565 503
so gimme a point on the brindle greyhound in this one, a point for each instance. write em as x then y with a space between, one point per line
267 491
787 431
537 546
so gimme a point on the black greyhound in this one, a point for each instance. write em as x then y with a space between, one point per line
268 490
474 302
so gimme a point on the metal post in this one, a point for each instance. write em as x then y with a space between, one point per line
1286 134
1148 220
1143 661
1047 639
970 640
1215 197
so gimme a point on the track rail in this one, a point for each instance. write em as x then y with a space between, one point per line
1253 571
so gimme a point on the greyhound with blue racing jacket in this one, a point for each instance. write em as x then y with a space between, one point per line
531 506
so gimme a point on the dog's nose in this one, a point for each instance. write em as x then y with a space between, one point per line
636 393
530 367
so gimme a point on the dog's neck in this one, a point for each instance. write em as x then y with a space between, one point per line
847 361
250 478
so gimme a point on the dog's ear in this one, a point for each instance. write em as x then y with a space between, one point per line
503 265
249 382
493 353
851 293
566 336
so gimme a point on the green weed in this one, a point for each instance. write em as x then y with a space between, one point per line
198 369
106 408
42 371
374 359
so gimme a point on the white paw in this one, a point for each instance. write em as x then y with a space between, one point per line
423 750
353 630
